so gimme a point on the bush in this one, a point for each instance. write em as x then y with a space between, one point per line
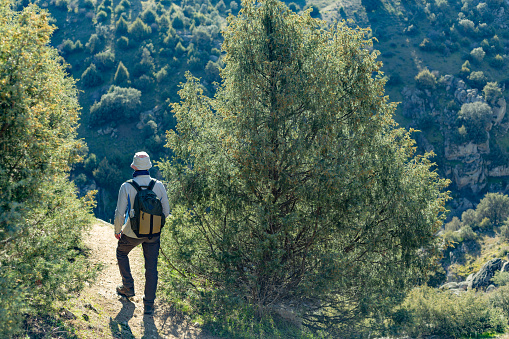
477 79
104 60
107 174
139 30
122 26
453 225
504 230
497 61
119 103
101 16
476 116
500 278
492 92
427 311
495 207
478 54
149 16
425 79
93 43
121 75
91 77
123 43
144 82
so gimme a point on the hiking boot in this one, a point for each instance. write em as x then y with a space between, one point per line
149 309
124 291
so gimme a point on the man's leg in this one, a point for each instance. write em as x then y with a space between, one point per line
151 252
125 245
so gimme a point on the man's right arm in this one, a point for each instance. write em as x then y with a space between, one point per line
120 210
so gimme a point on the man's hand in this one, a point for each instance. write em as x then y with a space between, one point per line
118 235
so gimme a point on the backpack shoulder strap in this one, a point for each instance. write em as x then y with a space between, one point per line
152 184
134 184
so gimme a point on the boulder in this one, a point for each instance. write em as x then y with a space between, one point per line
499 110
505 267
449 286
463 286
491 288
469 281
482 279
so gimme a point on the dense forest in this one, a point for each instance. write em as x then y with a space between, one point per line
275 127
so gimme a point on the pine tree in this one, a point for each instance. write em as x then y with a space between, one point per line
292 184
121 75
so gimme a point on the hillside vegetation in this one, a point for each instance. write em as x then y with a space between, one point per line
296 199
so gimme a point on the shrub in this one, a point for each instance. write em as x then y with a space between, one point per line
504 230
501 278
91 77
123 43
93 43
453 225
425 79
428 311
177 22
149 16
466 233
497 61
119 103
467 26
469 217
121 75
478 54
104 60
107 174
122 26
477 79
492 92
494 206
144 82
162 74
139 30
101 16
476 116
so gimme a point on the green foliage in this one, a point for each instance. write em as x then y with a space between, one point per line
501 278
139 30
428 311
119 103
475 116
149 16
104 60
477 79
504 230
101 16
41 218
68 46
453 225
425 79
495 207
178 22
492 92
497 61
107 174
284 184
478 54
123 43
121 75
93 44
91 76
122 26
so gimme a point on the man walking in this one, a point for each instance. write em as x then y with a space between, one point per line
127 239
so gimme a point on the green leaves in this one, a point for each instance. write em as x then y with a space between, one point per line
41 218
292 183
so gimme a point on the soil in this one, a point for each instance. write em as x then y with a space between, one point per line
98 312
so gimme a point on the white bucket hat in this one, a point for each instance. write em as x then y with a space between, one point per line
141 161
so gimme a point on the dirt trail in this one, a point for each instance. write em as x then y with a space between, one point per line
100 313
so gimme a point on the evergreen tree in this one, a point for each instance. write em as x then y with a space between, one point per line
91 76
292 184
122 26
122 74
139 30
41 218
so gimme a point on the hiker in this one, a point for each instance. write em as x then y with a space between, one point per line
128 238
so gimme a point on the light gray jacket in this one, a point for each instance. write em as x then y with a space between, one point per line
128 190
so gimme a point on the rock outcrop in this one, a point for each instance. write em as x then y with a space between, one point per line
482 279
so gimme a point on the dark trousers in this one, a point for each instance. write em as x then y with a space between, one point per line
150 253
